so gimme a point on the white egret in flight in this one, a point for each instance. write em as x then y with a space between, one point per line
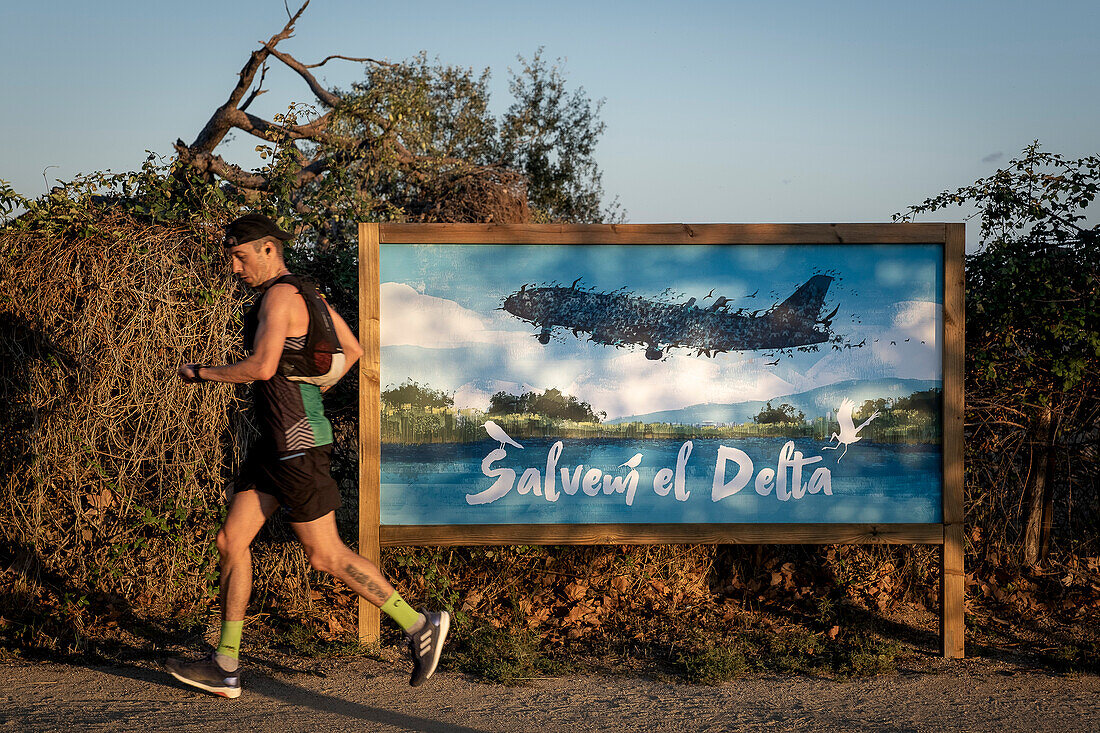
849 433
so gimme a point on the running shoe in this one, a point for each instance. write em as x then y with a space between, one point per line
427 644
206 674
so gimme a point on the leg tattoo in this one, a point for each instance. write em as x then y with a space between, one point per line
367 587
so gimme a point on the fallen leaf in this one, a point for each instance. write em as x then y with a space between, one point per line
575 591
577 612
472 599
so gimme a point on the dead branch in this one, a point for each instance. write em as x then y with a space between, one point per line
257 91
271 131
364 60
219 123
449 189
203 163
324 95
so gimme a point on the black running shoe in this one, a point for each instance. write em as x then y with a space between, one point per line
206 674
427 644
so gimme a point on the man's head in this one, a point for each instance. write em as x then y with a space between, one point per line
255 247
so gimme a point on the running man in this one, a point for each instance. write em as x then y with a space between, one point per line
292 363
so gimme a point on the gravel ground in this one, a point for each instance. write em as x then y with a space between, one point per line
373 695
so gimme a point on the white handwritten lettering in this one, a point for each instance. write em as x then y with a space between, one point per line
662 482
720 489
552 457
785 479
570 485
505 478
682 493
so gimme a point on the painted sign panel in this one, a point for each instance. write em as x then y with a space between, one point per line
612 384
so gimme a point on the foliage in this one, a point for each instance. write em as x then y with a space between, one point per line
1033 301
550 404
1032 352
506 655
417 395
711 663
551 136
413 141
161 192
416 141
918 409
926 402
785 413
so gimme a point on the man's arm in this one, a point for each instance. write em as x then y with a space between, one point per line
263 362
348 342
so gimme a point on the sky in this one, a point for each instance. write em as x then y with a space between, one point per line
442 325
715 111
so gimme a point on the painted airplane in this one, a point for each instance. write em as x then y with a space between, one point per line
620 319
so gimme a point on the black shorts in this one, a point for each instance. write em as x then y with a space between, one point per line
301 480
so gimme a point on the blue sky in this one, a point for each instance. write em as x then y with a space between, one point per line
715 111
442 327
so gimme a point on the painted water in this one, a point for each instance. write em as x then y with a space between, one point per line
447 483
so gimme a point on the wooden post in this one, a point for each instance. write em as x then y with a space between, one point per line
370 459
952 572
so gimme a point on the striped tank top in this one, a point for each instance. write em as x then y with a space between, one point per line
290 414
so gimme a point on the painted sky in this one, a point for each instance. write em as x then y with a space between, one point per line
442 326
716 111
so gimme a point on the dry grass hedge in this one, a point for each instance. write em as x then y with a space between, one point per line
114 469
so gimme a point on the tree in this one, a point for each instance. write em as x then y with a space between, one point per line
927 402
417 395
551 404
413 141
1032 319
550 136
784 413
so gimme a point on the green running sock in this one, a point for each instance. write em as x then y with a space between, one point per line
401 612
229 645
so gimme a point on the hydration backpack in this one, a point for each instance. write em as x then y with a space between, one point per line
321 361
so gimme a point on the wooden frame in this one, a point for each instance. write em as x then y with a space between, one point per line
948 534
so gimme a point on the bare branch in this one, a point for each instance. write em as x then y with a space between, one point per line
312 170
289 27
324 95
258 91
217 126
269 131
205 162
349 58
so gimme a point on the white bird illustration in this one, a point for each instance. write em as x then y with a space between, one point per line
633 462
849 433
497 433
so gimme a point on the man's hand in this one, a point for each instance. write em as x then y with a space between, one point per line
187 373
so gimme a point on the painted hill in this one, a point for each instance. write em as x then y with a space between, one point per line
814 403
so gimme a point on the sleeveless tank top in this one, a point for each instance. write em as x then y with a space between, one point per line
290 414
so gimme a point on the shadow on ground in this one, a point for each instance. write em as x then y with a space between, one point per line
291 694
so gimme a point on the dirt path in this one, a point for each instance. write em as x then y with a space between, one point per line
974 695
